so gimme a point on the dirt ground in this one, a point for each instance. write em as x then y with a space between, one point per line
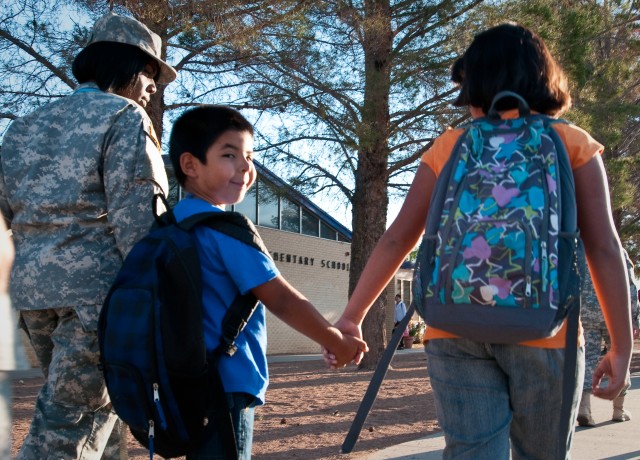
310 409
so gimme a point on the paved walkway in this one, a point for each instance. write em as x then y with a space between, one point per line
607 440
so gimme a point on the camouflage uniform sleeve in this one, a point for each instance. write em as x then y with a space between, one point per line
133 172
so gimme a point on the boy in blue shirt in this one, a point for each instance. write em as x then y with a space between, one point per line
211 149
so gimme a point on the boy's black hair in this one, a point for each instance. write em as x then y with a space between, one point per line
197 129
113 66
510 57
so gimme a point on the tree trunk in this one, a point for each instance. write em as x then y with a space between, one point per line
370 199
155 109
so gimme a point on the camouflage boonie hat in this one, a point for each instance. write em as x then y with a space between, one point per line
121 29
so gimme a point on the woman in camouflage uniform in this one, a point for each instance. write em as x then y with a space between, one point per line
595 337
77 178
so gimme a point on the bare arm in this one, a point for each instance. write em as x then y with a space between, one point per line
284 301
608 271
392 249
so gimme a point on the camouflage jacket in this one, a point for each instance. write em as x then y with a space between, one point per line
77 178
591 315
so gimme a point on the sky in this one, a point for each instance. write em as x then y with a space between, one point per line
334 207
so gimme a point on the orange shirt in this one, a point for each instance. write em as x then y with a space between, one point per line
581 148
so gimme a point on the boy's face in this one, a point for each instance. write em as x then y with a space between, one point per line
229 171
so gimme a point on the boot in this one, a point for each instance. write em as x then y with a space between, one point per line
619 413
584 410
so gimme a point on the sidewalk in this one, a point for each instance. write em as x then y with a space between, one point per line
607 440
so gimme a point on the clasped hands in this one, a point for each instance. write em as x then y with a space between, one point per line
352 347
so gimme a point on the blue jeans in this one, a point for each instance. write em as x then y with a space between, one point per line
492 398
242 407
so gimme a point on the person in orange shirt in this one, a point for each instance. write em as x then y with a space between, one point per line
497 400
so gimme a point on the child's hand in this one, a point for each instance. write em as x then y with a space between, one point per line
347 350
348 328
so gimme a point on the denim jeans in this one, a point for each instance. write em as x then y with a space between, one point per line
492 399
242 407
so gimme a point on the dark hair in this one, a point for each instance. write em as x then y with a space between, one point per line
457 71
197 129
113 66
510 57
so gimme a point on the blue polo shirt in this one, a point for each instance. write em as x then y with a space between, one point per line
230 267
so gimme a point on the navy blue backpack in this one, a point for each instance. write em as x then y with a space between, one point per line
162 381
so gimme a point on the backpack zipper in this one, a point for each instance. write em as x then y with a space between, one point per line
544 254
152 434
159 409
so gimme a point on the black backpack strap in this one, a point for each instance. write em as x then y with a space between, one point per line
376 380
237 316
237 226
230 223
167 217
569 375
235 320
220 419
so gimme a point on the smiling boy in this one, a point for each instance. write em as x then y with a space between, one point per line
211 149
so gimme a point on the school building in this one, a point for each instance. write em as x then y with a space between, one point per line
311 249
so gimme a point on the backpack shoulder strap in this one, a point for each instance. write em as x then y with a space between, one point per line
565 178
230 223
442 183
237 226
569 223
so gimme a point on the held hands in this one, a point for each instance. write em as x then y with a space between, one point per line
350 332
616 367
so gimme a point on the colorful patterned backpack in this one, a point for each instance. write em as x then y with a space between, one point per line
498 261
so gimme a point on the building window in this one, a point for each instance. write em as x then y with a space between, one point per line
310 223
290 215
327 232
268 215
248 205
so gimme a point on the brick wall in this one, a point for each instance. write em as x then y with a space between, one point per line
322 281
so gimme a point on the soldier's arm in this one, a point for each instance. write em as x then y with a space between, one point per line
133 173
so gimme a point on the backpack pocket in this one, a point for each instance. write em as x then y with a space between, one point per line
131 401
490 265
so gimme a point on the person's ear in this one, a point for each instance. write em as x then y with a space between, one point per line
189 164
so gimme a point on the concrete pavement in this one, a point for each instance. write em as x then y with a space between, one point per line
607 440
